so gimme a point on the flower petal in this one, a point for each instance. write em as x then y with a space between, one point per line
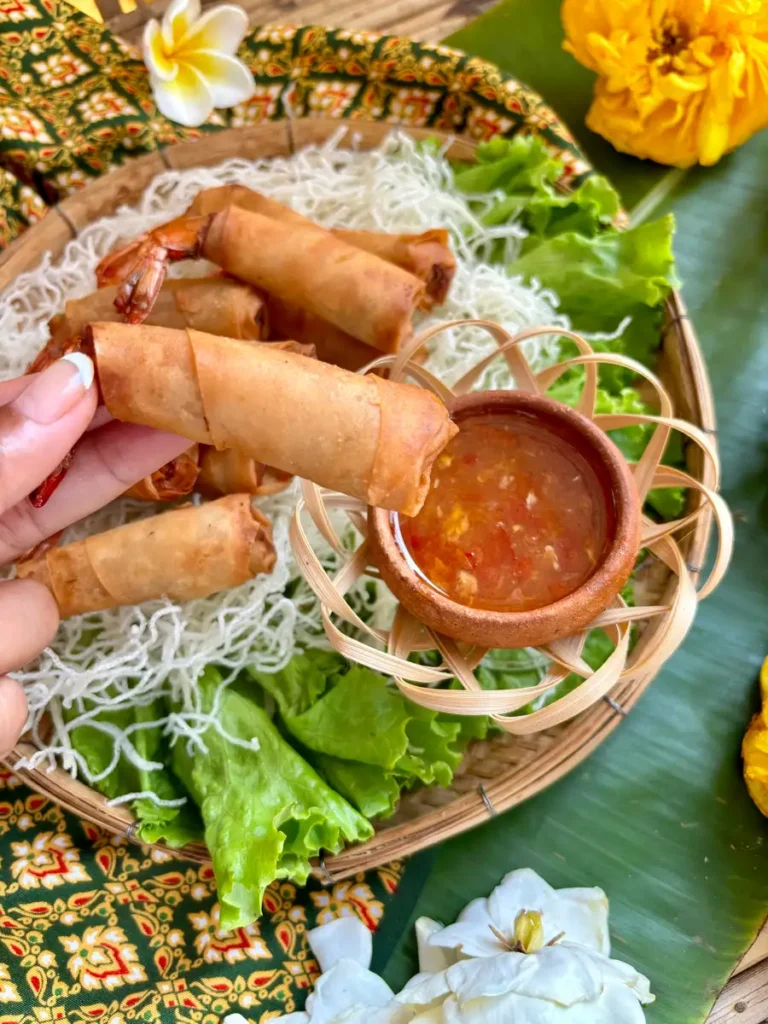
153 48
425 991
471 935
519 890
186 98
431 958
583 916
229 80
346 987
346 938
178 20
222 28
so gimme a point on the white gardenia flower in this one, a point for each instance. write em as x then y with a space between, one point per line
486 927
538 977
346 938
560 984
350 994
347 992
191 60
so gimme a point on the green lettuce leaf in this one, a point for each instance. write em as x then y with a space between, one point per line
304 679
266 812
512 670
667 503
176 826
359 719
602 280
518 166
363 736
374 791
524 169
601 275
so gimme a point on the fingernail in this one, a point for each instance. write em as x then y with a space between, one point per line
57 389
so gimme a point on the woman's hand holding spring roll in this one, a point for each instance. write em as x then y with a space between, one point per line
42 416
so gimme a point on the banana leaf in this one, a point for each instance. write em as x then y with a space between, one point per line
659 816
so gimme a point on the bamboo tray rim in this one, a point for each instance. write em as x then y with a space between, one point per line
575 740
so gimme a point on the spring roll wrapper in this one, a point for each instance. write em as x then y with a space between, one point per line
218 305
214 473
427 256
183 554
362 294
333 345
362 435
231 471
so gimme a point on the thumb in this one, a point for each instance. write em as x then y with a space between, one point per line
42 422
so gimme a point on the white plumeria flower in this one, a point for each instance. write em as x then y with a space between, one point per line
191 60
486 927
561 984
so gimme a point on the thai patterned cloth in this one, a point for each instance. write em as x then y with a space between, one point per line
92 927
75 100
95 928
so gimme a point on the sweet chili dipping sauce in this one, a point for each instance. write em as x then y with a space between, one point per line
516 516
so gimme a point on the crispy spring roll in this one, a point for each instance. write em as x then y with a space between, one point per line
371 438
362 294
182 554
332 344
427 256
212 472
217 305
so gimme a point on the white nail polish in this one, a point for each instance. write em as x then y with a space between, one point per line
84 366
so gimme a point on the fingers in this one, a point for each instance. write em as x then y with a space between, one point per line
107 462
13 714
41 423
11 389
29 618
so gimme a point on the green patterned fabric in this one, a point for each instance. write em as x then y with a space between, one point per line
20 206
95 928
75 101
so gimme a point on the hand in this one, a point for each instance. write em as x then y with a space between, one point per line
42 416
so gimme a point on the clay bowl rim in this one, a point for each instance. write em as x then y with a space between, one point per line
569 614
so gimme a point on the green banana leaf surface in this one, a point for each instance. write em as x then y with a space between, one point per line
659 816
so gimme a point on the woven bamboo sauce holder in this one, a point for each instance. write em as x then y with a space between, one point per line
664 624
532 751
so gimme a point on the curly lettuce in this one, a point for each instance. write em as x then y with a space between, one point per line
603 277
367 740
176 826
266 811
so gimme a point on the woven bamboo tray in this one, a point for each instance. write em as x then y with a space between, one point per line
496 774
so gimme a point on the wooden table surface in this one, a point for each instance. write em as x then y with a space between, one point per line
745 999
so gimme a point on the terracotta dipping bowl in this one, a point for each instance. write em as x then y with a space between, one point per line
497 629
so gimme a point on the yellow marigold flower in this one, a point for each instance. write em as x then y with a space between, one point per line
680 81
754 749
